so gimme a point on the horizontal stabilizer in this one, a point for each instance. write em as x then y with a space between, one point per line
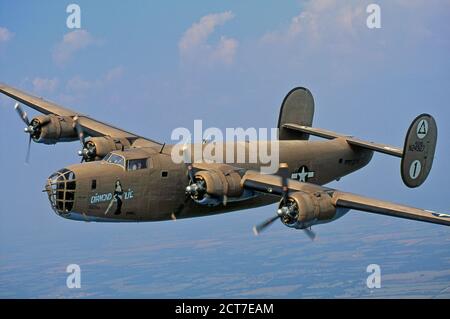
417 154
378 147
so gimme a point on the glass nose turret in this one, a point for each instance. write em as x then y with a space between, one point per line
60 188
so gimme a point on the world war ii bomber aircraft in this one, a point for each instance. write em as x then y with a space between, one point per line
124 177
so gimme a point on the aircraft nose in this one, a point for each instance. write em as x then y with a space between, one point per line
60 188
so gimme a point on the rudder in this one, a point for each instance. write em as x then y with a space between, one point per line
297 108
418 151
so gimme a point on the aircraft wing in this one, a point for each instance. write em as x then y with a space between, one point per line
272 184
91 126
376 206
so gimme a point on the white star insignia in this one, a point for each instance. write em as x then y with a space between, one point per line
303 175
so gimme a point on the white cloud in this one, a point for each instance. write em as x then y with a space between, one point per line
225 50
322 21
193 46
77 84
43 85
114 74
5 35
71 43
199 31
78 89
330 39
80 85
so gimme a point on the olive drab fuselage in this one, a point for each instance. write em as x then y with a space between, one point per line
124 177
155 190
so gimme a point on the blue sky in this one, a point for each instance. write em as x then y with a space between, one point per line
150 67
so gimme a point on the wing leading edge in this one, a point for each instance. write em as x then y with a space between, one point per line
376 206
93 127
272 184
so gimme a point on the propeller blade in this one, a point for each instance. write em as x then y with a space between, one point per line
225 200
309 232
283 172
191 174
27 158
186 154
23 115
259 228
80 134
79 130
187 162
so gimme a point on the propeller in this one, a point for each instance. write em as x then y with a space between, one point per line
283 172
191 174
287 208
23 115
190 189
27 157
197 187
190 169
88 149
79 129
260 227
310 233
30 128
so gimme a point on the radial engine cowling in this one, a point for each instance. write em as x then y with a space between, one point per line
97 147
221 184
214 186
303 210
50 129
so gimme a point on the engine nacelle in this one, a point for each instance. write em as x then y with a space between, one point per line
303 210
215 186
97 147
220 184
51 129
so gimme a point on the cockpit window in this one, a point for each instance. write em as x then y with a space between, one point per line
107 156
116 159
136 164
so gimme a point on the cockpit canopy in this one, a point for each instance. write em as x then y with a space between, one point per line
114 159
130 160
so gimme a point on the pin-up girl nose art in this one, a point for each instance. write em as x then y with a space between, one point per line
117 197
118 193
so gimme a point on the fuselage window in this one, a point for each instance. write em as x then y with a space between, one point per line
94 184
136 164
